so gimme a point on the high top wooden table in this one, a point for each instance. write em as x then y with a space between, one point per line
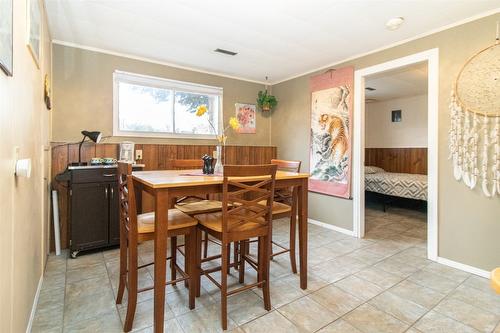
166 184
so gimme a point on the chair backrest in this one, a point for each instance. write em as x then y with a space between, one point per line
286 195
237 188
284 165
128 210
186 164
178 164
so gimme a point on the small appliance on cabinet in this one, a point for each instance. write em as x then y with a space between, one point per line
127 151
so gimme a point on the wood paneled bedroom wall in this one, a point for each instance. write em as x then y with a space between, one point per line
400 160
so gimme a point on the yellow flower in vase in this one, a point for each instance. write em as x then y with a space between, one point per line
233 122
201 110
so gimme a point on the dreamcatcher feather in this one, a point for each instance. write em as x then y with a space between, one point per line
474 136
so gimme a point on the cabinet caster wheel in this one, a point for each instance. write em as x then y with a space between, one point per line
73 254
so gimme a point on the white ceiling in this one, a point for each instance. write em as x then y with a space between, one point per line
403 82
280 38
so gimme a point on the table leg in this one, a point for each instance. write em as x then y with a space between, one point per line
302 200
138 197
160 254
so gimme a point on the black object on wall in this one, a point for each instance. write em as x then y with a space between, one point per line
396 116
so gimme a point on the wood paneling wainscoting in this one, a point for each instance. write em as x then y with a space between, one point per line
154 156
401 160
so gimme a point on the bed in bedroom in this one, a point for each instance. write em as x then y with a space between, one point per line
396 175
404 185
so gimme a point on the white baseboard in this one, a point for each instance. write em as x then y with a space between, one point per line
464 267
35 303
332 227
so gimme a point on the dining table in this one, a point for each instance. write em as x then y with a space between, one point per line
164 185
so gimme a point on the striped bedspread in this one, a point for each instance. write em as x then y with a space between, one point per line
404 185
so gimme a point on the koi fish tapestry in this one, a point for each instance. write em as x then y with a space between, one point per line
330 150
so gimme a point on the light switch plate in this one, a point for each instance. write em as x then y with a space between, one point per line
138 154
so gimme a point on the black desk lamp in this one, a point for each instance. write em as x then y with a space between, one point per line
94 136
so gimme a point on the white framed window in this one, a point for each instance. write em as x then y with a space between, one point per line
147 106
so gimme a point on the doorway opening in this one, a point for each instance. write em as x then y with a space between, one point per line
395 150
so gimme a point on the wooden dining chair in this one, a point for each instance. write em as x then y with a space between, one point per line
193 205
284 206
241 218
136 228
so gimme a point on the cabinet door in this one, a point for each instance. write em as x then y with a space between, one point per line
89 215
114 215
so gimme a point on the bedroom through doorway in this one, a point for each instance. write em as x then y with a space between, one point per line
395 148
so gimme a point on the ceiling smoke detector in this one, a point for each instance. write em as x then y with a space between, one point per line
231 53
394 23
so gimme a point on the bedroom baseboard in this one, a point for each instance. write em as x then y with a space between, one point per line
35 303
464 267
332 227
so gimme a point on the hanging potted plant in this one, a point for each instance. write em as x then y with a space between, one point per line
266 102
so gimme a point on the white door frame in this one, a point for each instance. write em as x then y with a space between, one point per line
432 59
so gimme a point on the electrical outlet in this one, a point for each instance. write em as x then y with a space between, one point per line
138 154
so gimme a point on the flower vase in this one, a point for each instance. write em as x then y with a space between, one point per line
218 168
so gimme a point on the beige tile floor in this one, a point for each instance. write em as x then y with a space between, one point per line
382 283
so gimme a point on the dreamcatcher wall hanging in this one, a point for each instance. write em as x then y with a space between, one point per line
474 137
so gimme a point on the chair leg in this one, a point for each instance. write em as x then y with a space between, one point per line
271 250
241 265
190 265
188 258
265 262
228 257
259 259
293 227
123 267
205 245
235 255
173 261
132 287
198 262
223 289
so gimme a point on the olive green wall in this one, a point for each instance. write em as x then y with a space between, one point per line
83 95
469 223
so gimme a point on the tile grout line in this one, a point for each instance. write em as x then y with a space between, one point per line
447 296
65 287
368 266
366 302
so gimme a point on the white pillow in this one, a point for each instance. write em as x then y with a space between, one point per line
369 169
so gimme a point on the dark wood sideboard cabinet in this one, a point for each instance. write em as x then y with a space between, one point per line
93 208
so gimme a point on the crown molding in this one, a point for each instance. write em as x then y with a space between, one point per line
389 46
152 61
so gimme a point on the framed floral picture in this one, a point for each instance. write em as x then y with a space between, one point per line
6 61
34 28
245 113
